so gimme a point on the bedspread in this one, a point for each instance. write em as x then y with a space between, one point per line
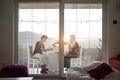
79 73
76 73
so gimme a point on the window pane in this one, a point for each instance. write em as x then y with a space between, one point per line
38 27
25 14
52 29
71 14
52 14
83 14
96 29
38 14
35 20
95 14
25 26
82 30
86 25
69 28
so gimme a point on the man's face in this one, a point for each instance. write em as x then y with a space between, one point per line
44 39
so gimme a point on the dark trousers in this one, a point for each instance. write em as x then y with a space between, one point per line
66 62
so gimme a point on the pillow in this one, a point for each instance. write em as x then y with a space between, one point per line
100 71
92 64
14 70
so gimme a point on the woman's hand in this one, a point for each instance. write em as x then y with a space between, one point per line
53 45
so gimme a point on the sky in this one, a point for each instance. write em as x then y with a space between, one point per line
83 23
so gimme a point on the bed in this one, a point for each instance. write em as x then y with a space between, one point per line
81 73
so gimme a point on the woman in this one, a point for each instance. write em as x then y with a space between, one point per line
74 50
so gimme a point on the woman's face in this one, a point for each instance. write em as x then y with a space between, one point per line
72 38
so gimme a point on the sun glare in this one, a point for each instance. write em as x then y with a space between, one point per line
66 39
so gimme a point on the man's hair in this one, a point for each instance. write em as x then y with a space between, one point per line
43 36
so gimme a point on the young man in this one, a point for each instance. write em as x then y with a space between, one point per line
39 53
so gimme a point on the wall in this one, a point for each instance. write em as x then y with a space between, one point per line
7 30
114 29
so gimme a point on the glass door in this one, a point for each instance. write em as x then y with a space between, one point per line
83 33
79 24
34 21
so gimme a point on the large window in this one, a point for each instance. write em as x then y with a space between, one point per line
37 19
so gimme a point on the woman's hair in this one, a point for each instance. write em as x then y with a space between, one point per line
72 35
43 36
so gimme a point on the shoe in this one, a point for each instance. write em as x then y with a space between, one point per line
43 71
66 69
46 69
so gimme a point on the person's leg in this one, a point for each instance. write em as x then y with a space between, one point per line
66 62
46 60
43 69
44 63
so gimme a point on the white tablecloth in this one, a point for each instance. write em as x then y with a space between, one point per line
53 61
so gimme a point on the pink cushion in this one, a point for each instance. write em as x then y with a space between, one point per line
100 71
14 70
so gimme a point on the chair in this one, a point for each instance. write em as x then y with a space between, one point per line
77 61
32 62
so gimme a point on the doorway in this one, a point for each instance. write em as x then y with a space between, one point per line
81 20
84 21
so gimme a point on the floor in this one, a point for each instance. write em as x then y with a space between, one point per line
49 79
37 71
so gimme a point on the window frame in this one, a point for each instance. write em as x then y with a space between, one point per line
105 31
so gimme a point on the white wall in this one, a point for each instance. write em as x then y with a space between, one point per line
7 25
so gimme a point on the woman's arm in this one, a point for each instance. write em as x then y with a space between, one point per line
58 43
55 43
